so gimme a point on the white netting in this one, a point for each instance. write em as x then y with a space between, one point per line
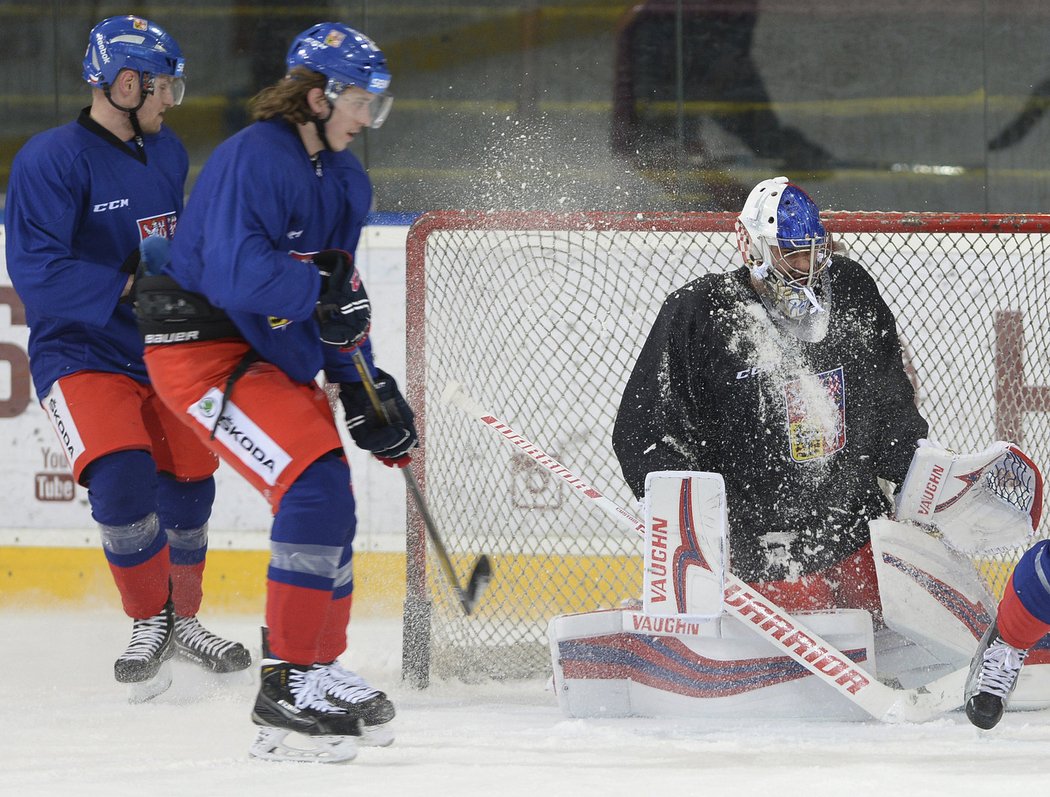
541 321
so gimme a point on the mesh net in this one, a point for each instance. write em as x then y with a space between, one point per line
541 318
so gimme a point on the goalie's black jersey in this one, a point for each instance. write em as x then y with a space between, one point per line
799 431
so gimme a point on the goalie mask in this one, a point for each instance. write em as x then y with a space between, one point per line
347 58
785 245
137 44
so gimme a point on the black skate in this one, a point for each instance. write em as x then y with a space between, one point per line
349 691
290 700
993 676
195 642
144 664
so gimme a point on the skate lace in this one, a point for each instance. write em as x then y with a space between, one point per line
147 636
194 635
1001 664
344 684
306 688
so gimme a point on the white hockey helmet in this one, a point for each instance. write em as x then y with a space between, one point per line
784 243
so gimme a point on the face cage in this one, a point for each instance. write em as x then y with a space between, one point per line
378 106
819 258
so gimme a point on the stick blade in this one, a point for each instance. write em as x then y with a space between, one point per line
479 580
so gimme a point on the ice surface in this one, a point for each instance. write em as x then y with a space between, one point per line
65 729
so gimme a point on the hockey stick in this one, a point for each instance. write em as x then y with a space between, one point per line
481 572
779 628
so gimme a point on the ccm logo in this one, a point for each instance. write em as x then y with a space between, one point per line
102 207
749 372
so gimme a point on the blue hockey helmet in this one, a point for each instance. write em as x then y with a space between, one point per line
347 58
778 221
784 243
798 220
133 43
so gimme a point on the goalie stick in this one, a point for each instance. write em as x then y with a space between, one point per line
481 572
780 629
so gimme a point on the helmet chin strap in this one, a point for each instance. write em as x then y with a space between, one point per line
319 126
133 116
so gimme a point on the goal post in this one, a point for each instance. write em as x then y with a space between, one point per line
540 317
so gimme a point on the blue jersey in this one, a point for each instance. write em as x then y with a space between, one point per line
260 207
79 200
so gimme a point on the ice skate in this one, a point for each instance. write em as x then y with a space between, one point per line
348 690
144 664
196 643
291 701
993 676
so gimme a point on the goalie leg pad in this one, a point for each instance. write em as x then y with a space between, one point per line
685 544
604 667
930 593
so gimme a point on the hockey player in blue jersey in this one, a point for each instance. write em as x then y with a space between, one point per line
81 198
1022 619
259 297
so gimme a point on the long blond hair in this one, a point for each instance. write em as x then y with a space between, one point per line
287 97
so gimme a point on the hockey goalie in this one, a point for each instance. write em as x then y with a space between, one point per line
821 502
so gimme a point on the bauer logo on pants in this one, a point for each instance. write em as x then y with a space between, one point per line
239 434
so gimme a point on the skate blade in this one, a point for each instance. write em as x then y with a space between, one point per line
376 736
143 691
275 744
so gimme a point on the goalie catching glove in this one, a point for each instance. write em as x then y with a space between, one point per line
342 307
390 435
985 502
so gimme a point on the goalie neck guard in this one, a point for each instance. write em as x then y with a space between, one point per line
785 245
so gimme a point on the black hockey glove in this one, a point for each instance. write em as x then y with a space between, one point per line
131 262
342 307
389 438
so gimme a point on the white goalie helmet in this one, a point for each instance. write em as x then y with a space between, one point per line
785 244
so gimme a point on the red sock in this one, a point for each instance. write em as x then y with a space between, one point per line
143 588
1017 625
333 635
186 590
296 618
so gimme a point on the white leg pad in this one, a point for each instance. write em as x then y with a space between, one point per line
686 545
604 667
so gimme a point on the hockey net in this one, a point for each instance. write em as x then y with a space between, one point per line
540 317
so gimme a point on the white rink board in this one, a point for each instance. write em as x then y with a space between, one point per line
43 507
